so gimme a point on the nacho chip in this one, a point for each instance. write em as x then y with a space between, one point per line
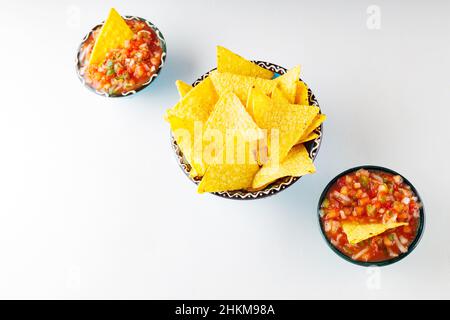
228 61
197 104
309 137
183 88
188 135
190 114
301 96
240 85
288 83
318 120
232 166
288 120
358 232
278 95
297 163
227 178
113 34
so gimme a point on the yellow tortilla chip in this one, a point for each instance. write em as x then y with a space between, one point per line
301 96
230 166
288 120
197 104
318 120
183 131
358 232
288 83
309 137
189 114
240 85
113 34
278 95
228 61
183 88
297 163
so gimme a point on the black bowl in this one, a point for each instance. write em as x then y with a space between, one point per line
275 187
162 42
413 244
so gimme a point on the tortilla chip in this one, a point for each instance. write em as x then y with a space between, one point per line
297 163
309 137
227 178
318 120
228 61
301 96
184 132
113 34
189 114
240 85
288 120
183 88
358 232
232 167
197 104
278 95
288 83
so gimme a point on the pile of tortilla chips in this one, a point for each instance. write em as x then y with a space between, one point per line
243 128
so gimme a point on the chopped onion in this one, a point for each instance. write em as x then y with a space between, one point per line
399 244
403 240
358 255
342 198
378 178
327 226
391 253
406 200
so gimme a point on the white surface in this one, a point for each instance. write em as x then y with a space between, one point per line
93 204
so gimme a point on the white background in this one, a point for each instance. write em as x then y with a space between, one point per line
93 204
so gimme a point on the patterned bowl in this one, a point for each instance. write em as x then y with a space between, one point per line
162 42
275 187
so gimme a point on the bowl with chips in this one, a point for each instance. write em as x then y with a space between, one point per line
371 216
261 103
121 56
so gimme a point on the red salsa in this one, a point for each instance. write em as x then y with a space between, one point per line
126 68
366 197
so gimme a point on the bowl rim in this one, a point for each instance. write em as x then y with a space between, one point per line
280 184
411 247
163 45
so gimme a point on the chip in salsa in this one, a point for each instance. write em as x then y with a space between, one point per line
120 56
370 215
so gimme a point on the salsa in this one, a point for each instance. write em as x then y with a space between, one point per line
126 68
371 197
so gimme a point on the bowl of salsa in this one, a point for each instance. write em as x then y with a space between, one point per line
128 68
371 215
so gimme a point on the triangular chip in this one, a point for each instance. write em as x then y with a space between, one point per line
183 88
301 96
183 131
228 61
278 95
249 105
358 232
318 120
230 165
190 114
240 85
287 121
288 83
297 163
113 34
197 104
309 137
